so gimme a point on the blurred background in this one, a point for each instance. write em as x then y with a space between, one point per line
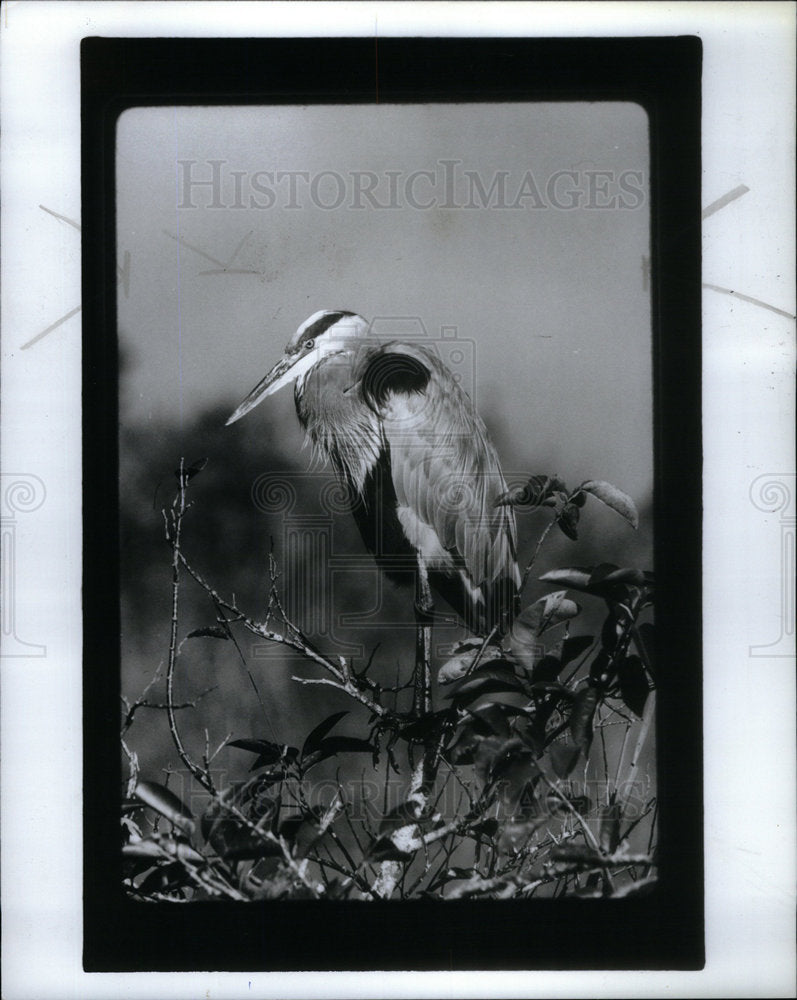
514 238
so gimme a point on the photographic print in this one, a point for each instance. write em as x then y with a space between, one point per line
390 380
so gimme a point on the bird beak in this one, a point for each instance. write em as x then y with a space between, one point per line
283 372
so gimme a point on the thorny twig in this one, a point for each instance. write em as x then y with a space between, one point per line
340 675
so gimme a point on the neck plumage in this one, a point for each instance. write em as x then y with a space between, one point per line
343 430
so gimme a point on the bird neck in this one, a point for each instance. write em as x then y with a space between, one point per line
341 427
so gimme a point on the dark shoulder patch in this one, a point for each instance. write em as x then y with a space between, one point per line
391 371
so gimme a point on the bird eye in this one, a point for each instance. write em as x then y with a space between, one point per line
309 344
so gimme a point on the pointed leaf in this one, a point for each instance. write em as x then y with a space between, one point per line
524 644
581 803
564 757
553 609
189 471
573 647
432 724
236 843
165 878
606 580
634 686
213 632
515 765
604 575
302 831
345 744
484 755
489 720
268 752
151 848
497 676
568 521
575 577
159 798
397 846
142 849
334 745
610 827
313 741
460 664
486 827
614 498
584 706
516 496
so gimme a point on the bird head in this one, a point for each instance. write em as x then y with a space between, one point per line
330 331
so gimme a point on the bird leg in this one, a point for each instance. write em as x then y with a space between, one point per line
424 609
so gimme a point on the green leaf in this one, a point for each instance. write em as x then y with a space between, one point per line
142 849
496 676
551 688
213 632
573 647
647 636
302 831
429 725
634 686
268 752
485 827
584 705
516 496
484 755
165 878
458 666
226 834
334 745
491 720
237 843
581 803
609 836
151 848
230 838
564 757
568 521
612 629
189 471
605 580
159 798
511 753
398 846
607 573
314 739
574 577
536 491
524 645
614 498
548 611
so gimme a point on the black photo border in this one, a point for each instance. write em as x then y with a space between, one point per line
663 930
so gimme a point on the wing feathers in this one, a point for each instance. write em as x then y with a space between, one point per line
444 467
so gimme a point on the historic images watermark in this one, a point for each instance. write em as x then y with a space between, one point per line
368 795
449 184
775 495
20 493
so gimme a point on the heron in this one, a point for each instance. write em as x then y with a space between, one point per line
406 441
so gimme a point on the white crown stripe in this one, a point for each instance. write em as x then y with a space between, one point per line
319 323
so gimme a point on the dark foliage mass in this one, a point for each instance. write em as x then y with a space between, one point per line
266 759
